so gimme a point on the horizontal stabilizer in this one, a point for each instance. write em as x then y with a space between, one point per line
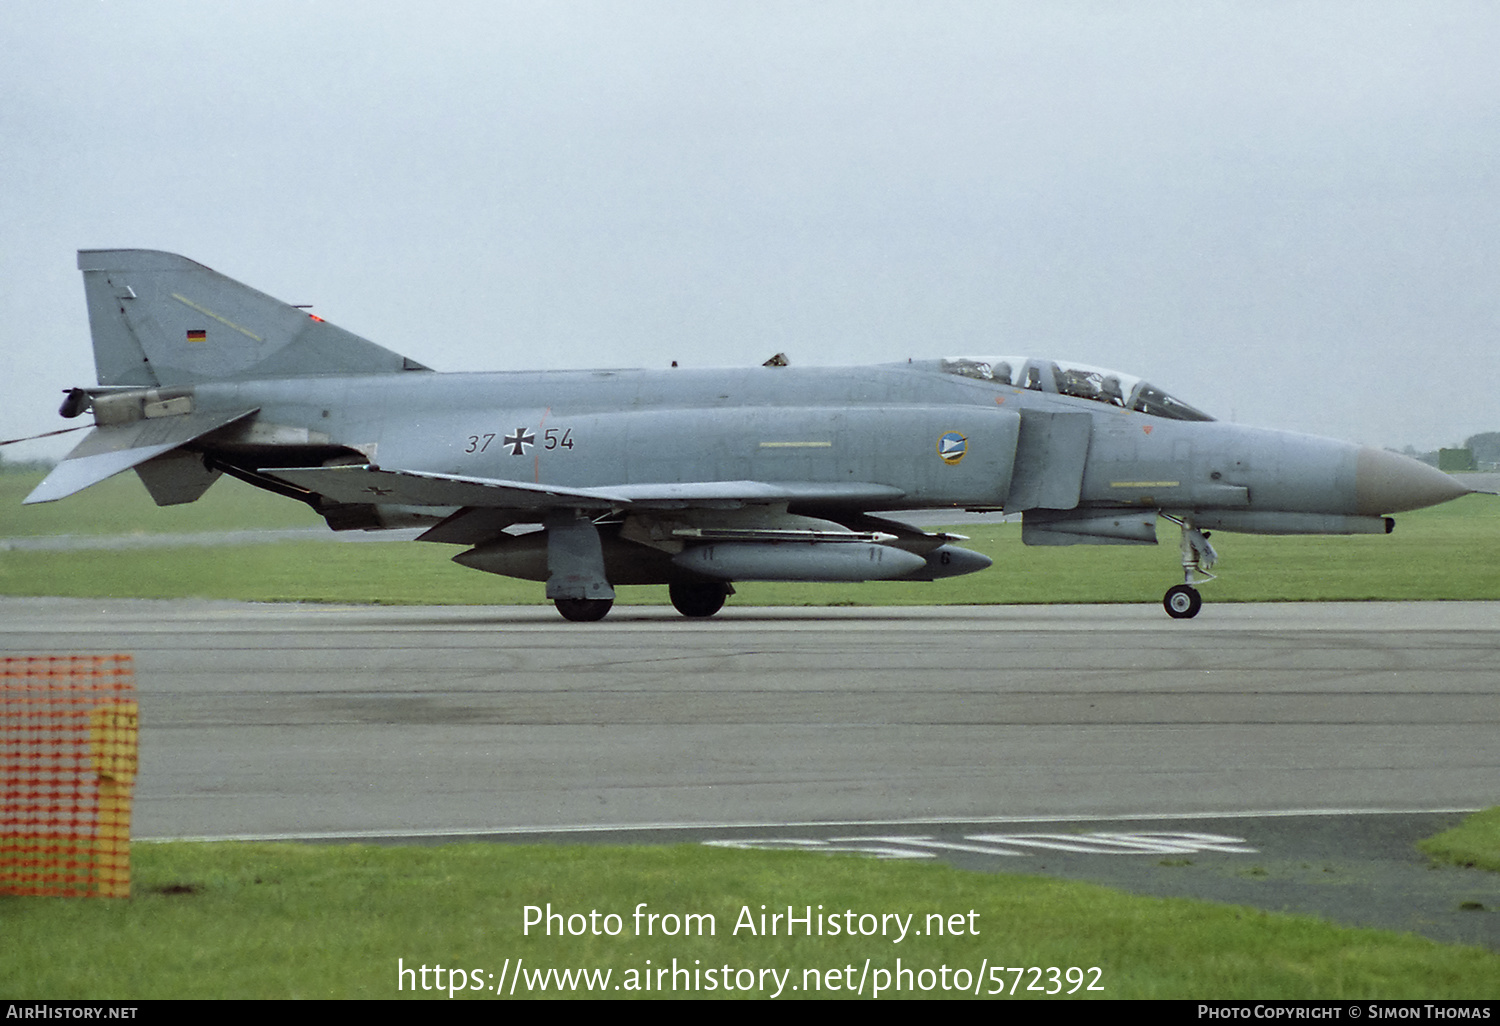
105 451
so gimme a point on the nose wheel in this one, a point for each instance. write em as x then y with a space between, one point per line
1182 602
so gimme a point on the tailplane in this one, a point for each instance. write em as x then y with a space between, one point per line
161 319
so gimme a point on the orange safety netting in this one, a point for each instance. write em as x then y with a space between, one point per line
68 736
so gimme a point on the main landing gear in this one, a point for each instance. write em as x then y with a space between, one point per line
689 599
583 610
1182 602
695 599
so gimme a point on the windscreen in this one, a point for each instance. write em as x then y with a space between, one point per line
1074 379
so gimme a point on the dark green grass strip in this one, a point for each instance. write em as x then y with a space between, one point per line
1474 842
277 921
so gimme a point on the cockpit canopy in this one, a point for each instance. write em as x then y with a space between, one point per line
1080 380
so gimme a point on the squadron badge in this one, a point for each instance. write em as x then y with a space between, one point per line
952 447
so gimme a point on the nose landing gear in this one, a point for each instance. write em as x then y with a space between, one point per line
1182 602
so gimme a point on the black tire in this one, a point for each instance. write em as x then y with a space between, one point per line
583 610
697 599
1182 602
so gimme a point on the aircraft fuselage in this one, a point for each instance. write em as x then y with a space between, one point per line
878 425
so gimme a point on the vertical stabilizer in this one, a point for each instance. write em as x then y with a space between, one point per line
161 319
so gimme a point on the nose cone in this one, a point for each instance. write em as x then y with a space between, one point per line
1387 482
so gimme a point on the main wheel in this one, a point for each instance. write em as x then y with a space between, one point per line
697 599
1182 602
583 610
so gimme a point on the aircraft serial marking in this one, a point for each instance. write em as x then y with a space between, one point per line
553 438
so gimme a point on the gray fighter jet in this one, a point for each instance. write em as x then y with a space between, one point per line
691 478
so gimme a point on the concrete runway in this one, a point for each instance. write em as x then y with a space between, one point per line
285 719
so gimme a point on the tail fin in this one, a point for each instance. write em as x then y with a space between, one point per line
161 319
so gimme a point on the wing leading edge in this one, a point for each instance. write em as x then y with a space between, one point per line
372 484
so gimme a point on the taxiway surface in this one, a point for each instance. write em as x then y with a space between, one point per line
293 719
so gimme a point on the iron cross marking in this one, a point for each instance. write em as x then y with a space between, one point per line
519 441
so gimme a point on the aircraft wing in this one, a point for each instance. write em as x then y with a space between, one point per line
105 451
372 484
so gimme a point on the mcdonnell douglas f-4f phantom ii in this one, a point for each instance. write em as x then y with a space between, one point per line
690 478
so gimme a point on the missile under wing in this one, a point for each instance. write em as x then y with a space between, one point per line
588 480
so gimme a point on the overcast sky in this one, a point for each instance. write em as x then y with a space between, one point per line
1286 213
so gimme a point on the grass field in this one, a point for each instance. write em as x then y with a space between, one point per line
1474 842
278 921
1449 552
